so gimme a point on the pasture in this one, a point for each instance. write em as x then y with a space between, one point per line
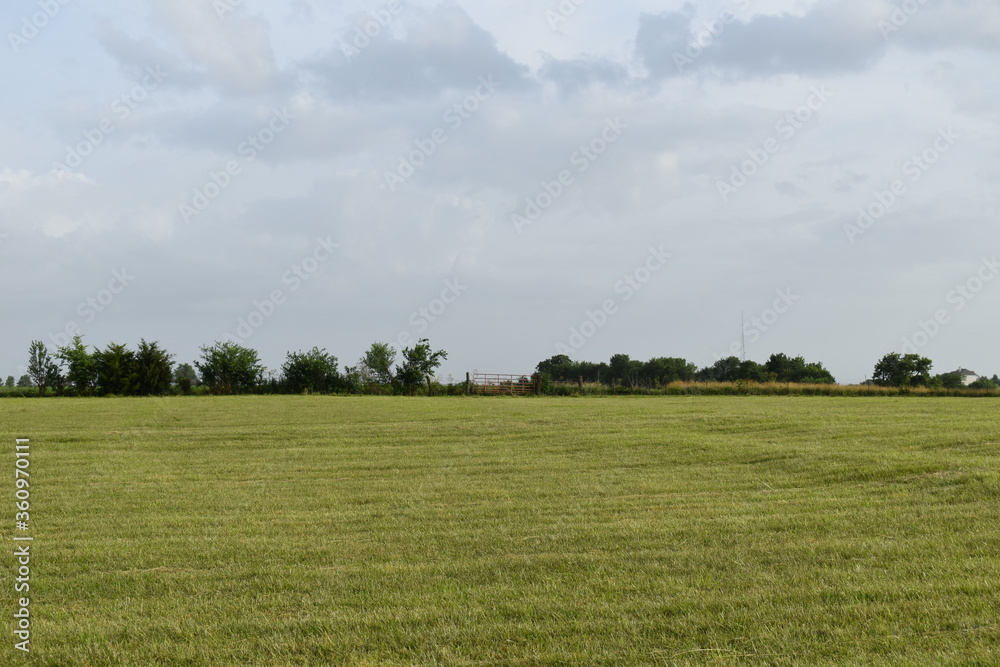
308 530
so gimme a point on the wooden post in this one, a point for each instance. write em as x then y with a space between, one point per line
538 384
581 385
468 385
430 389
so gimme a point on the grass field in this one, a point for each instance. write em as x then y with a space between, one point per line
363 531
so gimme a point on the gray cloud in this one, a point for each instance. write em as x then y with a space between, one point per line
441 50
831 37
235 52
572 76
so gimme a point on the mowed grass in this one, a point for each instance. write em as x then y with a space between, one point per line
606 531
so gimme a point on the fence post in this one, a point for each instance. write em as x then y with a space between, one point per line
468 385
581 385
430 391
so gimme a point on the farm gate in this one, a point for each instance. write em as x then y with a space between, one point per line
495 383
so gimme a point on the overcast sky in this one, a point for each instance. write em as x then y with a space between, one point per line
590 177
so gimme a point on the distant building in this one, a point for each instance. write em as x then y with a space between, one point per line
968 377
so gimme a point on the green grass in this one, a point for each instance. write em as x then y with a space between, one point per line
607 531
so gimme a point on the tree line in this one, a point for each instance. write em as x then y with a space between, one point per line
912 370
893 370
229 368
621 370
222 368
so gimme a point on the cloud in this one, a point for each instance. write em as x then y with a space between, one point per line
234 51
578 74
15 185
660 37
135 54
14 182
789 189
441 50
832 37
959 24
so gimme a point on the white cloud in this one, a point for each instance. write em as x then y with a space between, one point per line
235 50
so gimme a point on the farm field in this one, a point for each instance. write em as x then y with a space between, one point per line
307 530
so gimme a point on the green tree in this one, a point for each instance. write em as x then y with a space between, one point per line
781 368
185 372
24 381
228 368
10 381
664 370
42 368
419 363
152 370
559 368
312 371
950 380
624 370
81 365
751 370
185 377
983 383
815 373
353 382
896 370
376 365
723 370
115 370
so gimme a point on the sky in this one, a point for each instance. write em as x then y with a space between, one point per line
508 180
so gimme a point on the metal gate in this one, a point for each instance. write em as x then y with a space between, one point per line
495 383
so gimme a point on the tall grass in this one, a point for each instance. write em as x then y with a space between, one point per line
759 389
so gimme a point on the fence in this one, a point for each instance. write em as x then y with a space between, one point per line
494 384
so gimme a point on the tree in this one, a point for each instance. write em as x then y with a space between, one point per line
352 380
313 371
81 366
229 368
983 383
24 381
152 370
44 371
115 370
376 365
185 372
623 370
419 363
950 380
815 373
185 377
559 368
723 370
781 368
10 381
751 370
664 370
895 370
